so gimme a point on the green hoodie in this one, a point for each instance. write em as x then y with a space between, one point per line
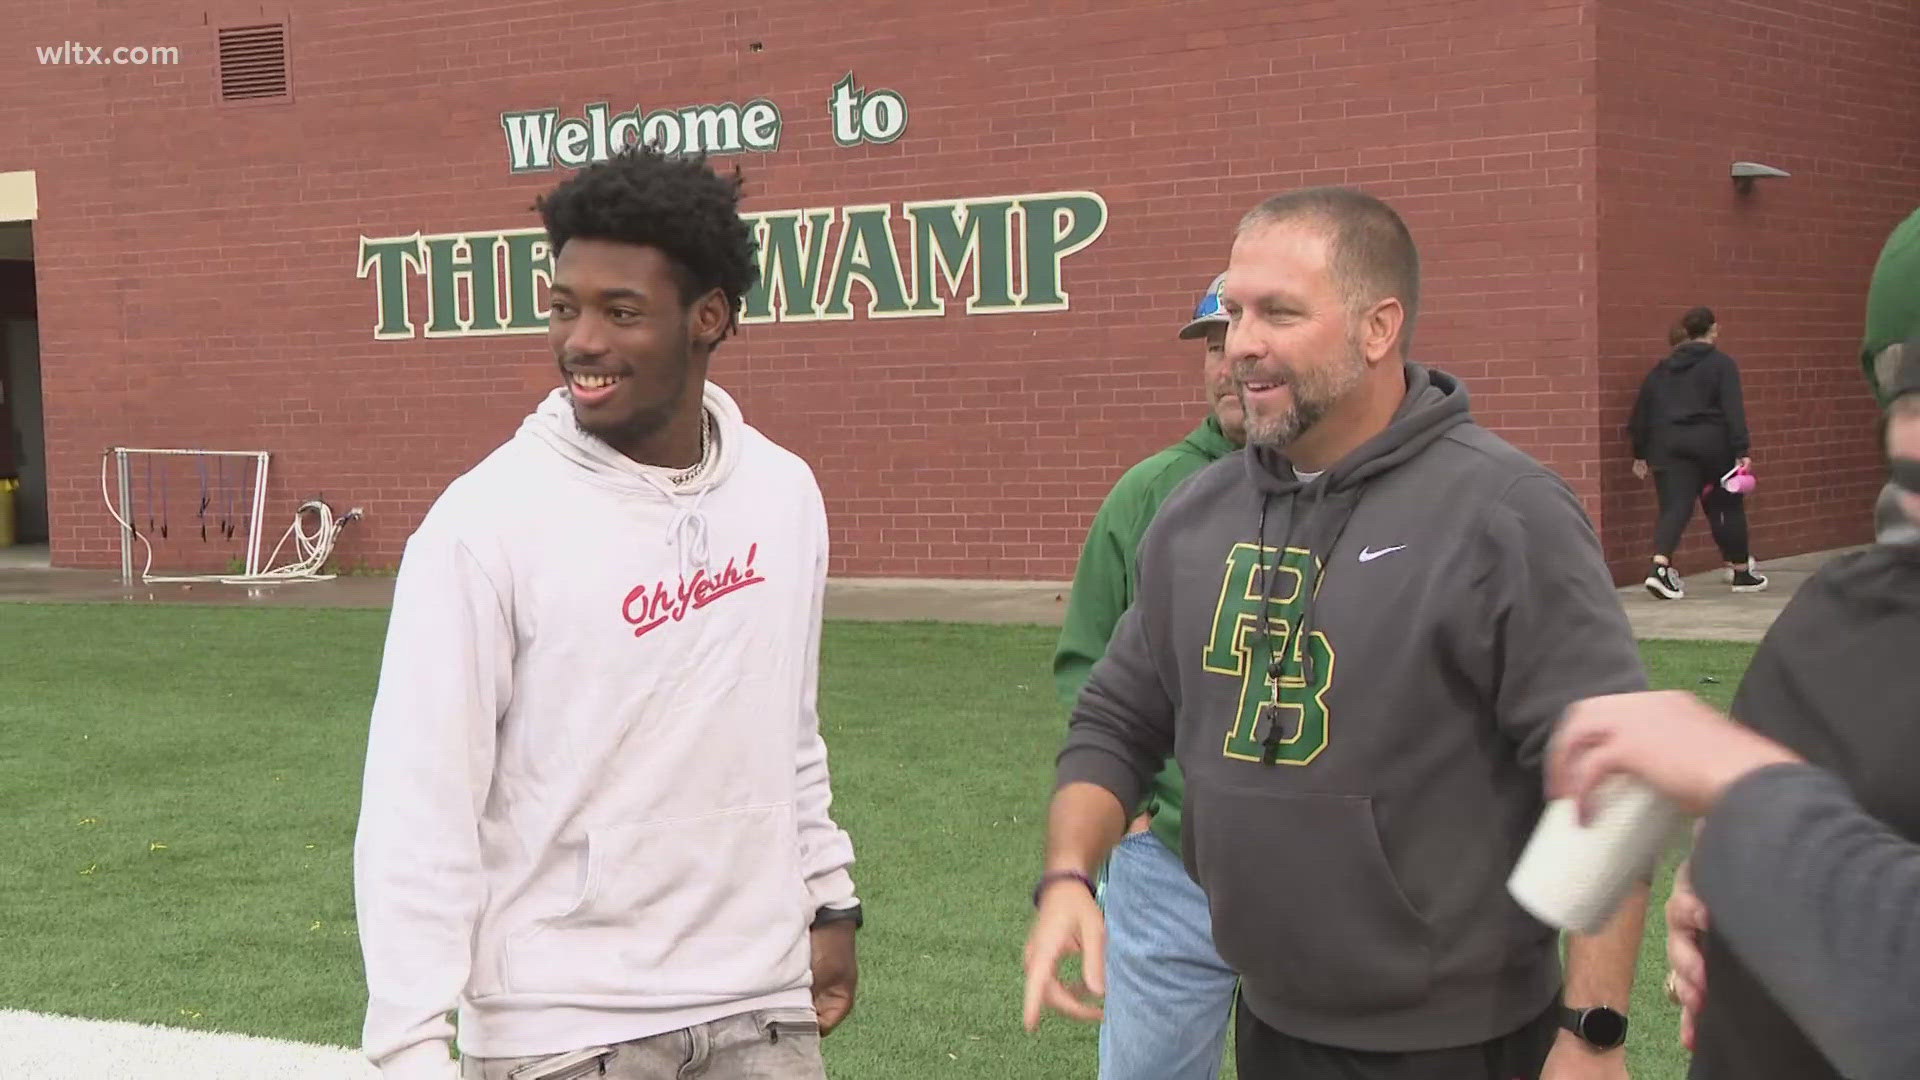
1103 585
1893 298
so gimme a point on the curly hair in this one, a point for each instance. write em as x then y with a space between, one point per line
676 204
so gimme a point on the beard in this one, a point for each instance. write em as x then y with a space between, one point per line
1315 391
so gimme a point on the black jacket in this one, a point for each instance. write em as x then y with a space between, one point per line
1835 682
1696 385
1818 899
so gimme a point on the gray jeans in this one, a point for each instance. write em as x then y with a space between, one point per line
768 1044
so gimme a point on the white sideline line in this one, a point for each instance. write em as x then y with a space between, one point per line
36 1046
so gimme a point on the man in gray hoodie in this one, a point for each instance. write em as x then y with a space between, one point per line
1355 637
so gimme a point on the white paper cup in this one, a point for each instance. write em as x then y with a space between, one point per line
1574 878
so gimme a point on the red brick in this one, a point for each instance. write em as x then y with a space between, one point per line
1560 164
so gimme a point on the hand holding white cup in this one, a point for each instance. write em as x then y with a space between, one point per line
1623 772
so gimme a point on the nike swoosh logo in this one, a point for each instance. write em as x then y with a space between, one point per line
1368 554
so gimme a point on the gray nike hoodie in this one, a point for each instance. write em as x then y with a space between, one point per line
1361 729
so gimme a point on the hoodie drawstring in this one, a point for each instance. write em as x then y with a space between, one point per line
1276 660
688 533
554 426
1306 612
1300 631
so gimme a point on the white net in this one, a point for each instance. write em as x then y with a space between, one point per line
196 514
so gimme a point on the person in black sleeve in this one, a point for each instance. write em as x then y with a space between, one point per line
1794 928
1689 428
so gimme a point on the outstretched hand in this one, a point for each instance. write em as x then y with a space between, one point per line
1667 739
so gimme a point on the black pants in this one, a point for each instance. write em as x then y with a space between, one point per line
1685 463
1265 1054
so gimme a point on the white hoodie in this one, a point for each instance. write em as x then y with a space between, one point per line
596 798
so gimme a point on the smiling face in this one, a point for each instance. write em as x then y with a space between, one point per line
1294 345
1222 389
631 352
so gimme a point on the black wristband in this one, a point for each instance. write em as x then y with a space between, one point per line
1052 876
828 915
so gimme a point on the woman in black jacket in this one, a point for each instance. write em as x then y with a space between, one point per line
1689 428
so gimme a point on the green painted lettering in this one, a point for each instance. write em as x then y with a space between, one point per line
951 236
447 266
1057 226
866 252
388 259
791 258
528 261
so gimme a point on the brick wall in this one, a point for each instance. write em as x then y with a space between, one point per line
1828 92
197 262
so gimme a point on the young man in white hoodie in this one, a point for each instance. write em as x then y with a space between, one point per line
595 812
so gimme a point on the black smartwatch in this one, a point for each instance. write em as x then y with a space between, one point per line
1599 1027
827 915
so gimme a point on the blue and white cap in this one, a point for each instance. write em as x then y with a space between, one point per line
1208 312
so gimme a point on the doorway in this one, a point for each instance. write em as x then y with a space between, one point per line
23 444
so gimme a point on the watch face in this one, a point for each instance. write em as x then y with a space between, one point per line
1603 1027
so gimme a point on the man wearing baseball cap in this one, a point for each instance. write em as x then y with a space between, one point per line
1893 312
1169 995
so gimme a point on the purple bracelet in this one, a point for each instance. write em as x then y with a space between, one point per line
1052 876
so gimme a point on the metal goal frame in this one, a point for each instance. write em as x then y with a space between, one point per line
123 466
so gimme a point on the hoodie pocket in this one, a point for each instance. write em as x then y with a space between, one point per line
694 909
1305 905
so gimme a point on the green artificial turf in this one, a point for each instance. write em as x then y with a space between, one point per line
178 788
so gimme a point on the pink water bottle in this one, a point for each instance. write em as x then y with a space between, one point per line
1738 480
